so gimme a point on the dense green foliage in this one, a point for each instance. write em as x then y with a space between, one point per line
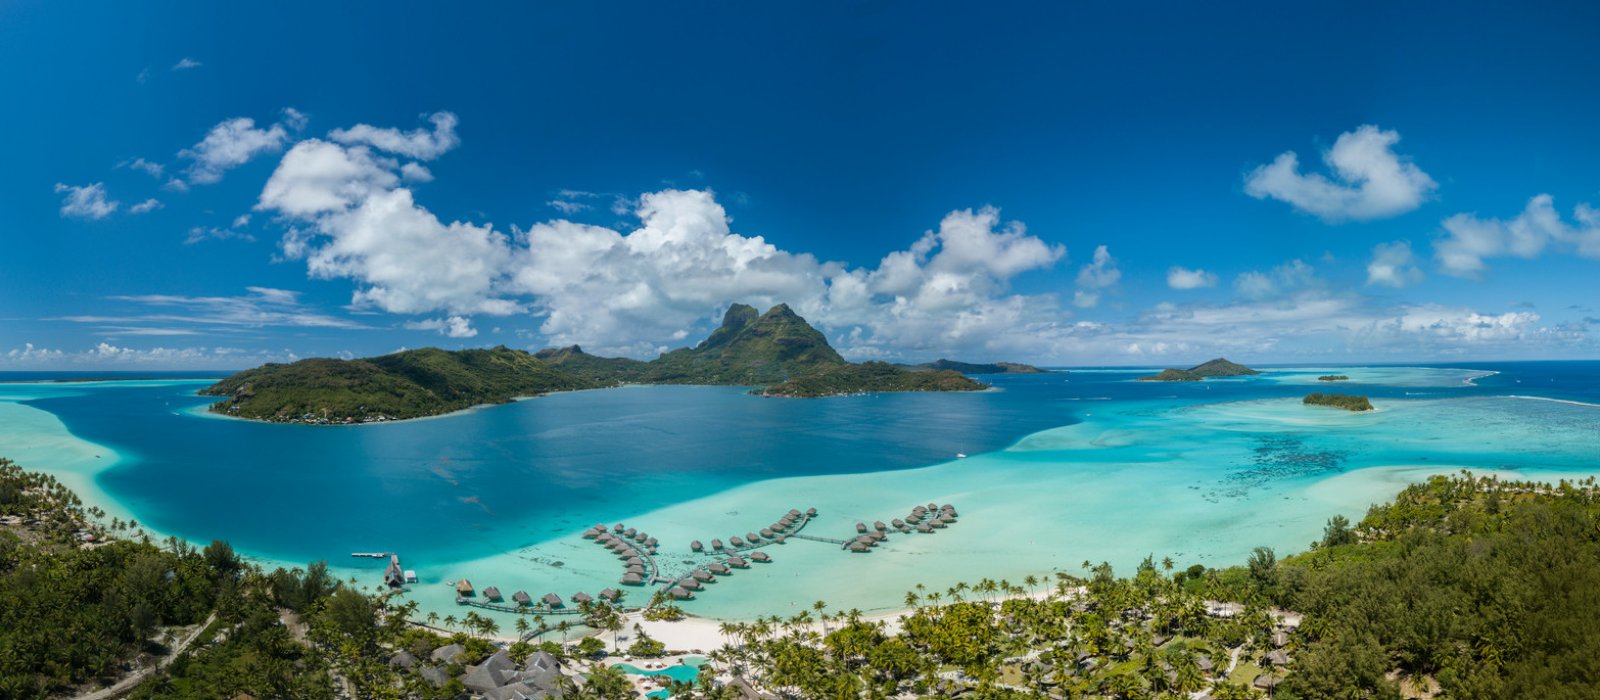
407 384
870 377
1172 375
1219 367
1344 401
1333 378
981 368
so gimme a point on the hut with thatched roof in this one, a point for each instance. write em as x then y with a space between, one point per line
796 512
938 523
581 597
464 587
689 584
914 518
716 544
734 541
760 556
924 528
752 537
610 594
1277 658
522 598
491 593
811 512
619 528
897 523
737 562
634 560
1266 682
591 534
635 569
1280 639
879 525
696 546
857 547
680 593
652 542
780 539
632 579
768 533
718 568
861 527
552 600
701 575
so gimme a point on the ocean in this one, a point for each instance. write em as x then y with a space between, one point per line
1059 468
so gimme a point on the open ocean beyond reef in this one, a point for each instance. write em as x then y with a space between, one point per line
1061 468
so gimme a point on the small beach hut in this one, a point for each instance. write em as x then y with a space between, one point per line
857 547
629 533
811 512
631 579
696 546
590 534
634 560
610 594
635 569
581 597
734 541
879 525
701 575
619 528
861 527
464 587
652 542
767 533
716 544
924 527
780 539
760 556
1278 658
491 593
1266 682
752 537
689 584
897 523
522 598
737 562
552 600
680 593
718 568
1280 639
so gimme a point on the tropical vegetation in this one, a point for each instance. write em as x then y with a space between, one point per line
1344 401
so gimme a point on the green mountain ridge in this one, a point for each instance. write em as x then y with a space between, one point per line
1219 367
979 367
777 350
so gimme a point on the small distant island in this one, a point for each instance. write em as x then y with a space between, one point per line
1333 378
777 351
1219 367
1344 401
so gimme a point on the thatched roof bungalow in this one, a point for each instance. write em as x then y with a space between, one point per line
811 512
491 593
696 546
1277 658
760 556
861 527
701 575
752 537
924 528
737 562
768 533
857 547
552 600
464 587
718 568
522 598
610 594
632 579
680 593
581 597
716 544
734 541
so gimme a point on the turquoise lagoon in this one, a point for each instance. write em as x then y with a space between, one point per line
1063 468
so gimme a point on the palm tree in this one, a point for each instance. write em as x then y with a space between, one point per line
449 622
522 627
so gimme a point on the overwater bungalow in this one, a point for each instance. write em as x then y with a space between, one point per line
905 529
591 534
737 562
752 537
552 600
701 575
947 518
635 569
794 512
768 533
464 587
652 542
629 533
491 593
619 528
581 597
689 584
522 598
857 547
924 528
735 541
680 593
937 522
718 568
780 539
632 579
879 525
716 544
696 546
914 518
610 594
760 556
933 506
811 512
861 527
897 523
634 560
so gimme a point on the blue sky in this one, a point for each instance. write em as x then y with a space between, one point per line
210 186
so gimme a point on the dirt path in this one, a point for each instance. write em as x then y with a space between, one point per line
138 677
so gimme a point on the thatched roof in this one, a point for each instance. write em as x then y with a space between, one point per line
898 523
1278 658
635 569
1266 682
696 546
879 526
737 561
491 593
752 537
760 556
464 587
924 527
618 529
689 584
610 594
716 544
680 593
735 541
581 597
632 579
702 574
404 659
796 512
767 532
811 512
634 560
857 547
780 539
551 600
861 527
522 598
717 568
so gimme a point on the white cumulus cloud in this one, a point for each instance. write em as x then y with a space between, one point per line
1468 240
420 144
1370 180
86 202
228 145
449 326
148 205
1393 265
1179 277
